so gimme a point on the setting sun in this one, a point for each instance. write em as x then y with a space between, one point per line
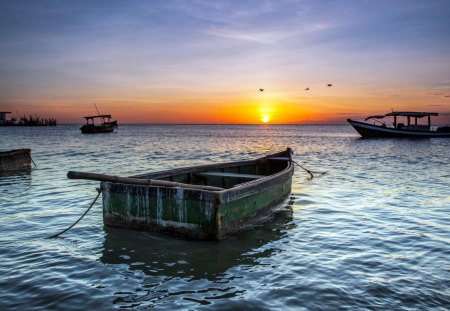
265 119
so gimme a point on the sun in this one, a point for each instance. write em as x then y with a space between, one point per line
265 119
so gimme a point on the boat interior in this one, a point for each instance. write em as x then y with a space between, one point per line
224 176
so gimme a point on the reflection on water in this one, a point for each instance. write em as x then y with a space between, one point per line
14 187
176 262
15 178
156 254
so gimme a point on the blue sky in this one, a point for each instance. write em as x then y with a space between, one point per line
57 56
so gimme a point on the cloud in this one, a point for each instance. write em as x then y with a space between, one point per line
438 94
262 21
266 37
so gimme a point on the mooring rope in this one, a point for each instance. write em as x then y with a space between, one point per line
92 204
309 172
33 162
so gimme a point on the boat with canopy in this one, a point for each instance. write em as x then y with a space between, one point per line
404 125
106 125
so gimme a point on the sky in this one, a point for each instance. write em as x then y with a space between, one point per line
205 61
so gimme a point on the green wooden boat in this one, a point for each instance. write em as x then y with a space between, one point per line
202 202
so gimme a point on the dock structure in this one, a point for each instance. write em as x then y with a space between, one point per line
4 119
24 121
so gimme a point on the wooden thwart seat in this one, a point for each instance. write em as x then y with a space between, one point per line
279 158
231 175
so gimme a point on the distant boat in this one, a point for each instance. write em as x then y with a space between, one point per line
408 129
106 125
15 160
202 202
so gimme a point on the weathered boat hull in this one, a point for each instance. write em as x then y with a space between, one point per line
375 131
15 160
198 213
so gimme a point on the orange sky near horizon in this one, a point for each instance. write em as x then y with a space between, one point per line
189 62
262 107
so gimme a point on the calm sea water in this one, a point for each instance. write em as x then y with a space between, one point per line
371 233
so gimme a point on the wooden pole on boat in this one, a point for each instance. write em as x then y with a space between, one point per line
137 181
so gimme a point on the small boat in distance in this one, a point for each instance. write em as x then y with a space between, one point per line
207 202
15 160
106 125
407 129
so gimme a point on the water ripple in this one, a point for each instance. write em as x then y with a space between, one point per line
370 233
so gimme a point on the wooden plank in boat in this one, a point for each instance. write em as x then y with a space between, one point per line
231 175
279 158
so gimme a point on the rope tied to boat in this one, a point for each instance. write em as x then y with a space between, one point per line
99 190
308 171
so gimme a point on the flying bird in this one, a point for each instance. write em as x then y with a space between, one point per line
307 89
329 84
261 90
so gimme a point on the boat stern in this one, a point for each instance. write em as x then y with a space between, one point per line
253 203
173 210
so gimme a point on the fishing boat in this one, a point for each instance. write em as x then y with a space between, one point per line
207 202
406 129
106 125
15 160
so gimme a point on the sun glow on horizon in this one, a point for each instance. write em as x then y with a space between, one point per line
266 111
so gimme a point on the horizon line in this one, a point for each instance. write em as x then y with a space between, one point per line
263 124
